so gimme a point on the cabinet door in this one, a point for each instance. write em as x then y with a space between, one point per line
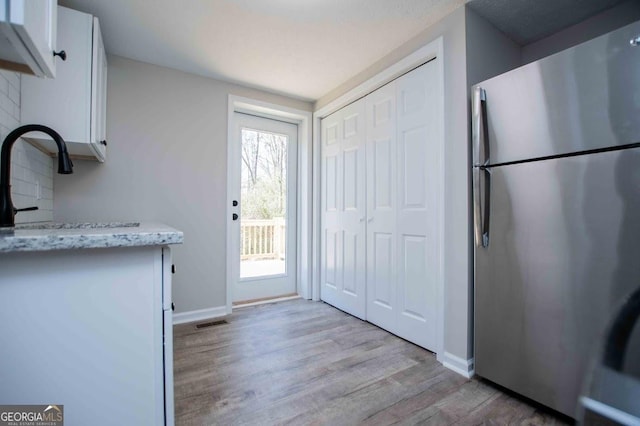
64 103
98 94
168 367
74 103
34 24
100 318
167 328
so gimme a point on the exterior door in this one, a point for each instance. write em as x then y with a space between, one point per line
264 159
343 206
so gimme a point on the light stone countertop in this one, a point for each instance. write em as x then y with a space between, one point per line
65 236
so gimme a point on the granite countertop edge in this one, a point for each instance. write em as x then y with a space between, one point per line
85 236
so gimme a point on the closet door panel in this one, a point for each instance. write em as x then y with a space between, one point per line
330 204
330 257
343 202
416 216
354 210
381 206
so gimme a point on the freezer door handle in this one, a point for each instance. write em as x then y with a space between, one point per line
481 205
480 138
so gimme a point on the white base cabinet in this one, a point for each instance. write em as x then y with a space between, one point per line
74 103
28 36
91 330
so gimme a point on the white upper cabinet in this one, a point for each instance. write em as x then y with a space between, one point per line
98 93
74 103
28 36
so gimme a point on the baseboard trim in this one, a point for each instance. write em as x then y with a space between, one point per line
464 367
199 315
266 301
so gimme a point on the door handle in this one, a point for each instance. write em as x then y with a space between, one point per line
481 205
481 158
234 203
234 216
479 129
486 201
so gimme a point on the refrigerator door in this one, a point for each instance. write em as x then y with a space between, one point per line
580 99
562 253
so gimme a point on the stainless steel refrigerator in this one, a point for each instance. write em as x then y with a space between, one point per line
556 186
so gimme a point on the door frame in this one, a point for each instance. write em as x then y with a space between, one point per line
304 176
275 284
430 51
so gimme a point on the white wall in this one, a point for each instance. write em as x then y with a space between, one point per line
167 135
489 51
31 170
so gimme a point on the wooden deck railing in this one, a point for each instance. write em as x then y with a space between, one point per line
262 239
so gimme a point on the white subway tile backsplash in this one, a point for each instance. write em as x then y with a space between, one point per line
29 166
14 94
11 78
7 105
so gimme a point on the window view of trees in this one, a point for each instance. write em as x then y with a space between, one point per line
264 175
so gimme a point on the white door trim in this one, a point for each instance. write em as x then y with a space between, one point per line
303 120
434 49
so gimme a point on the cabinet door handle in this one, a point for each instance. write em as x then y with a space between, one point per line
234 216
62 54
103 142
173 307
26 209
173 269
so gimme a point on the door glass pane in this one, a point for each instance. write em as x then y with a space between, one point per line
263 197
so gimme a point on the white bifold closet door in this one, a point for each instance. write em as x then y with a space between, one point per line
393 283
343 248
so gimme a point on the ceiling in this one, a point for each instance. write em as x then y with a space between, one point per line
299 48
527 21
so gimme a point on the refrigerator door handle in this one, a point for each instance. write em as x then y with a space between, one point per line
479 131
477 218
481 205
486 203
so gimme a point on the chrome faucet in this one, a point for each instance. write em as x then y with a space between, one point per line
65 166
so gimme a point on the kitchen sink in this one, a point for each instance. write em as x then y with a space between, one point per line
78 225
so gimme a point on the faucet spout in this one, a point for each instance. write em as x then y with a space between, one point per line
65 166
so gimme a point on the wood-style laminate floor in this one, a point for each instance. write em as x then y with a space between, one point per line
307 363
